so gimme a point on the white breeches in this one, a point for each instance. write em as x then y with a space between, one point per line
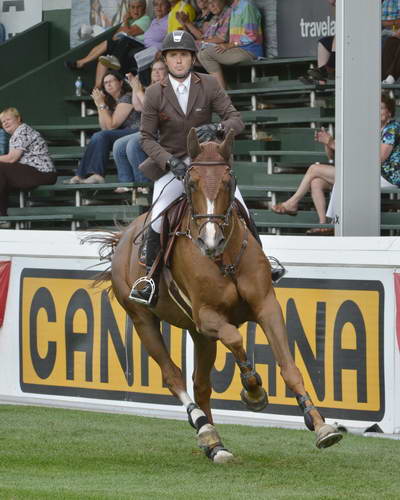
167 189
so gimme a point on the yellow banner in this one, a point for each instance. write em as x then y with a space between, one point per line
76 340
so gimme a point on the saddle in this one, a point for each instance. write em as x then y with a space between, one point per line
171 228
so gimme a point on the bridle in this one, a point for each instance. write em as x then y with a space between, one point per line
221 220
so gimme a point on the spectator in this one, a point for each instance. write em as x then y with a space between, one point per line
129 36
326 59
323 176
27 164
127 152
117 117
218 28
200 23
390 41
155 34
178 7
245 41
318 178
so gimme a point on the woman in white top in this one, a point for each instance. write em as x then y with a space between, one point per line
27 164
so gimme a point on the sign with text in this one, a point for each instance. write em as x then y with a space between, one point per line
19 15
75 340
301 24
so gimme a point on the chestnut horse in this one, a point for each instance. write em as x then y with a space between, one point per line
225 278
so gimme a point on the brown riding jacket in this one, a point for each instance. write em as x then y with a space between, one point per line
164 127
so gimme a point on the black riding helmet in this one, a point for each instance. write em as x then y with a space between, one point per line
179 40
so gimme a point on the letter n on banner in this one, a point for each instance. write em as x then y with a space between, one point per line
397 289
5 268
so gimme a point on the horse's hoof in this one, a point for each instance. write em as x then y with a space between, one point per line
223 457
254 404
327 435
218 454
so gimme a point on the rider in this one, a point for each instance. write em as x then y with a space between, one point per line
184 99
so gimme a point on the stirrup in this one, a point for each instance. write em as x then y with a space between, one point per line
278 271
147 281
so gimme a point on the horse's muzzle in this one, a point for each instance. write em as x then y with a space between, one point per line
211 249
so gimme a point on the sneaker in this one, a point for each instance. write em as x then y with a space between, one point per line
5 225
389 80
110 61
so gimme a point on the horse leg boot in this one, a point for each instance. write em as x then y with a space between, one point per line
277 269
145 289
208 438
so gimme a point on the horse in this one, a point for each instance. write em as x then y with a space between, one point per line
224 277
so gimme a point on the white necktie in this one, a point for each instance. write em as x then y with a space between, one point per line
182 95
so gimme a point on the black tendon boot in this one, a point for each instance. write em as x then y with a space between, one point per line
145 289
277 269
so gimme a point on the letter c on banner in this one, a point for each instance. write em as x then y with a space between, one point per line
43 366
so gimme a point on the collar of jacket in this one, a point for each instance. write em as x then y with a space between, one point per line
195 77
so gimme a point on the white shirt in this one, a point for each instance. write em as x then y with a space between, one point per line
181 90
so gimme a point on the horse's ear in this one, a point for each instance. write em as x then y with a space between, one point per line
193 145
225 148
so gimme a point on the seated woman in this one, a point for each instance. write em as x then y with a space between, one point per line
318 178
198 26
322 177
117 117
27 163
157 30
127 152
129 35
245 41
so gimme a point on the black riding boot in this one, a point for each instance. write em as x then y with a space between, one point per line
148 293
277 269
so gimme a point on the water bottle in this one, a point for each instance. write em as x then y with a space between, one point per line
78 86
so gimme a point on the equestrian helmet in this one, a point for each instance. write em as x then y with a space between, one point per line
179 40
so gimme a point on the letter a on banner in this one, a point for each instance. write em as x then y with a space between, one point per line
5 268
397 289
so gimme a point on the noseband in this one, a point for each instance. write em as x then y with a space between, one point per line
214 218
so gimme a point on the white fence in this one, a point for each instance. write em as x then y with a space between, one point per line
65 343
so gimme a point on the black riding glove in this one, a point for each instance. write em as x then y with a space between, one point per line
210 132
177 167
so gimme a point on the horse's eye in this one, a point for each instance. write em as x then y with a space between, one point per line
192 185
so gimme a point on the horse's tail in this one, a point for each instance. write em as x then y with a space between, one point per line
108 240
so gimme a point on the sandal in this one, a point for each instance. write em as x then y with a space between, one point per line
282 210
321 231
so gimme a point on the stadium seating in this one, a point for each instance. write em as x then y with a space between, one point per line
271 155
